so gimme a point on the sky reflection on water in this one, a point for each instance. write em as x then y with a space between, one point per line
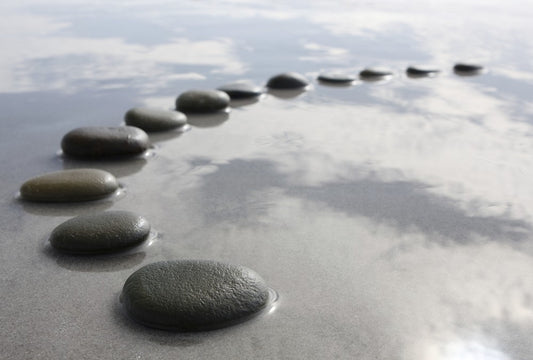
394 219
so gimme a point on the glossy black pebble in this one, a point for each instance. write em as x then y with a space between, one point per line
152 120
69 186
462 68
287 81
193 295
375 73
421 71
202 101
100 141
241 90
103 232
336 78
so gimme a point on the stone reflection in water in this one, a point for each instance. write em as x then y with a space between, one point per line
207 120
118 167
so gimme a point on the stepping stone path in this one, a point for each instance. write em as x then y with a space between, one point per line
154 120
374 73
336 78
100 141
193 295
287 81
69 186
103 232
202 101
241 90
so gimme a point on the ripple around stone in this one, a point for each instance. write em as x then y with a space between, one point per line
99 141
193 295
99 233
287 81
69 186
155 120
241 90
202 101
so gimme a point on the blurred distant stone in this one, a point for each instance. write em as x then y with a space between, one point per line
468 69
287 81
373 73
336 78
241 90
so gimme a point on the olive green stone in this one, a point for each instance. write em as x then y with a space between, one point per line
100 233
192 295
69 186
100 141
375 73
152 120
287 81
202 101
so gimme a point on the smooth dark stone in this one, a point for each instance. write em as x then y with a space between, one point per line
202 101
241 90
103 232
421 71
287 81
193 295
69 186
375 73
153 120
100 141
465 69
336 78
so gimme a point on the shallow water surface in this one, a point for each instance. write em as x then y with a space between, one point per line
394 218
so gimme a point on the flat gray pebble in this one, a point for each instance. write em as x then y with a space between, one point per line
421 71
69 186
336 78
100 141
287 81
467 69
375 73
154 120
202 101
193 295
241 90
103 232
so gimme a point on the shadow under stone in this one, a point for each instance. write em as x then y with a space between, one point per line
119 167
207 120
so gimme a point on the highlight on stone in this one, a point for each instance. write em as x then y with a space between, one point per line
103 232
155 120
100 142
69 186
193 295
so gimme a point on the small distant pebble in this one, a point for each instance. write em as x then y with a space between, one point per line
241 90
202 101
153 120
375 73
287 81
468 69
193 295
100 141
336 78
420 70
100 233
69 186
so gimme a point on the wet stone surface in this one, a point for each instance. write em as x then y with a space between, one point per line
287 81
154 120
336 78
100 141
372 73
98 233
69 186
202 101
193 295
241 90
